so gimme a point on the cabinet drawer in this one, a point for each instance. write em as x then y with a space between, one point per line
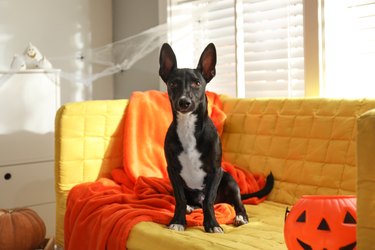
48 214
26 185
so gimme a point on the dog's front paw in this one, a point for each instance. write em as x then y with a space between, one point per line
177 227
211 226
240 220
216 230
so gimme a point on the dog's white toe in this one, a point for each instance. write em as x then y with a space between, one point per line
177 227
189 209
218 230
239 220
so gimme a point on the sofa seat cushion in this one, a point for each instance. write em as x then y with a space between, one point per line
264 231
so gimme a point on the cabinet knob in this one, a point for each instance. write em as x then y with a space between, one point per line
8 176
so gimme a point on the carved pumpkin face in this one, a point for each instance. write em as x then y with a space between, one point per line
322 222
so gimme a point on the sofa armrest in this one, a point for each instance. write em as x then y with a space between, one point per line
88 145
366 180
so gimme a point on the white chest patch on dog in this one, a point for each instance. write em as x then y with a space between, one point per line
191 171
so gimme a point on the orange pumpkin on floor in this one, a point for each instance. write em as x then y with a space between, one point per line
21 229
322 222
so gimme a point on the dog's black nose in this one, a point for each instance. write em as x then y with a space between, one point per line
184 103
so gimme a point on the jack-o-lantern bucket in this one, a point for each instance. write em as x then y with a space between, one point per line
322 222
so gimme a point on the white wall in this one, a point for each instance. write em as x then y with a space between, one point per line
59 29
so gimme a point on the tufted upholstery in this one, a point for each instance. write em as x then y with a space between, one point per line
366 181
88 145
310 145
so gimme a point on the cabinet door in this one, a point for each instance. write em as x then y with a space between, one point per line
27 185
28 104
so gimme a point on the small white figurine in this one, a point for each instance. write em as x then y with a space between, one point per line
30 59
32 56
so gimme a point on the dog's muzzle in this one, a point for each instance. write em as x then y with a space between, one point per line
184 105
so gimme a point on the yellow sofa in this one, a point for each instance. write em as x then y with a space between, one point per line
312 146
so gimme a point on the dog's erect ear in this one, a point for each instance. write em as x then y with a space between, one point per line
167 61
207 62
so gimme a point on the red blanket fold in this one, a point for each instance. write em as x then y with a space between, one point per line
101 214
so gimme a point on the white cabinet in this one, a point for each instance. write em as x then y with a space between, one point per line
28 104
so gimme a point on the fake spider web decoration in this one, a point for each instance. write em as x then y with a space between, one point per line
120 55
111 58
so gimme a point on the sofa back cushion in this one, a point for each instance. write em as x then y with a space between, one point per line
308 144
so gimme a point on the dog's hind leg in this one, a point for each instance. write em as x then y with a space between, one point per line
241 215
229 192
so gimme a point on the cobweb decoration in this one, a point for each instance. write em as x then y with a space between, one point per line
120 55
111 58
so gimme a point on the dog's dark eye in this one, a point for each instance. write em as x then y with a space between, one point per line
172 84
196 84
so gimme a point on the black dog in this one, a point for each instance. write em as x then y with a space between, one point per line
193 148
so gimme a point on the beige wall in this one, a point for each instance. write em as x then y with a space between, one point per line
129 18
64 28
59 29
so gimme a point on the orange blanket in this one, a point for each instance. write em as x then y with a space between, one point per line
100 215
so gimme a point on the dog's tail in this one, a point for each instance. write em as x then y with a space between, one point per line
264 191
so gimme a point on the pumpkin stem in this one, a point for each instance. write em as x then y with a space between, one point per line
287 211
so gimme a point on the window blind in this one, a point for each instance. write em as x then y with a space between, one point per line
193 25
273 44
259 43
348 48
